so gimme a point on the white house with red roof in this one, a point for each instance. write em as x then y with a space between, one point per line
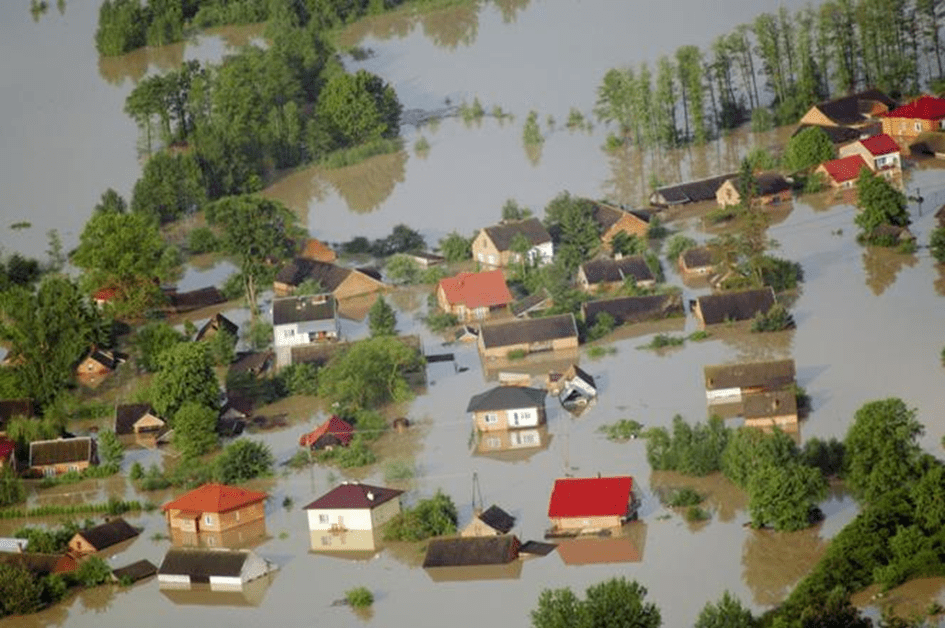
474 295
880 152
352 506
215 508
587 504
924 114
843 172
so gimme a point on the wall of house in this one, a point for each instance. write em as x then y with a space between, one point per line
78 546
815 116
910 127
226 583
724 395
148 423
282 289
875 163
340 518
727 195
784 421
385 512
509 439
542 254
484 250
578 523
552 345
348 541
477 528
171 578
508 419
60 469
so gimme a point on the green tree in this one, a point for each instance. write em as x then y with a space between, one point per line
20 592
110 450
257 231
435 516
402 269
728 612
185 374
511 210
613 603
170 187
357 108
808 149
627 244
615 100
677 245
571 223
783 496
750 450
222 347
455 247
882 450
92 572
881 204
937 244
382 320
558 608
195 428
12 490
928 494
243 460
121 27
369 373
151 340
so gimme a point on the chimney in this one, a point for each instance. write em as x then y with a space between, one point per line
370 496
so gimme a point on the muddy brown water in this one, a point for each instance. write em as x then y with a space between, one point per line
869 322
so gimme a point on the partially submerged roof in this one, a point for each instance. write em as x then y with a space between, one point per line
503 234
497 519
529 330
844 169
771 183
127 414
109 533
334 426
136 571
474 290
217 322
735 306
354 495
611 271
471 550
922 108
856 108
195 299
328 276
769 404
39 564
215 498
533 302
304 309
251 361
771 374
606 216
697 257
590 497
633 309
690 192
837 134
507 398
203 563
60 451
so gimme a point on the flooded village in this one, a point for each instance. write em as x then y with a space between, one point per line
533 420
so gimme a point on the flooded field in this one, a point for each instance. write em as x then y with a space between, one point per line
869 322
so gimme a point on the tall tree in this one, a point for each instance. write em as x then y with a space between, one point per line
382 320
357 108
614 101
170 187
195 429
881 204
369 373
728 612
666 101
613 603
571 223
185 374
689 67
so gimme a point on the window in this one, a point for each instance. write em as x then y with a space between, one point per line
493 442
237 515
492 259
326 541
491 418
323 519
481 257
918 126
49 472
208 520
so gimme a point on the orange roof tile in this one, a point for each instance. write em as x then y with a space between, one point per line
922 108
318 251
845 169
485 289
215 498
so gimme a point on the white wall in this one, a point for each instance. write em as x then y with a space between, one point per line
543 253
350 519
724 395
523 417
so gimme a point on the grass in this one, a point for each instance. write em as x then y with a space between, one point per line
357 154
597 352
621 431
111 507
695 514
662 341
359 597
399 470
683 497
698 335
421 145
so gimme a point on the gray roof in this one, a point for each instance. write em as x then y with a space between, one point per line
606 216
769 404
127 414
218 322
305 309
507 398
136 571
467 551
503 234
735 306
609 270
528 330
110 533
837 134
697 257
771 183
203 563
851 109
633 309
300 269
497 519
773 374
532 302
690 192
60 451
195 299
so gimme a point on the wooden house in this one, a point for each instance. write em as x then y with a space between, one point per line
922 115
508 407
853 111
773 189
698 191
613 220
342 283
303 320
476 296
493 245
550 333
334 432
628 310
318 251
220 568
727 383
62 455
214 509
714 309
353 506
491 522
216 324
591 504
137 418
696 261
96 366
880 152
843 172
101 537
603 274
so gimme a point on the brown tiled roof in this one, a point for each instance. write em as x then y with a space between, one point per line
136 571
60 451
215 498
771 183
251 361
475 290
528 330
606 216
769 403
329 276
503 234
690 192
202 563
854 109
633 309
469 551
609 270
735 306
110 533
772 375
354 495
127 414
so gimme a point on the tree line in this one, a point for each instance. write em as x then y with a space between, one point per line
790 60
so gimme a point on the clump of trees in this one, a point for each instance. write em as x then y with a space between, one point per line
614 602
881 205
435 516
692 450
808 149
402 239
369 373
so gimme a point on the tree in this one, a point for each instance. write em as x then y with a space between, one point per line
258 232
783 496
728 612
357 108
110 450
558 608
677 245
185 374
511 210
222 347
627 244
195 428
402 269
121 27
881 204
369 373
435 516
456 248
929 497
750 450
572 225
882 451
19 591
92 572
402 239
170 187
614 603
243 460
615 99
12 490
381 319
937 244
151 340
807 149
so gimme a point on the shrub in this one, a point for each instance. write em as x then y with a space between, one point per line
575 119
599 351
776 319
677 245
695 514
692 450
300 459
421 146
680 498
299 379
516 354
243 460
202 240
356 454
435 516
661 341
937 244
622 430
357 154
657 230
359 597
440 321
531 133
603 325
92 572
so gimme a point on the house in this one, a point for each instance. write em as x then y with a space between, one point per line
318 251
471 296
924 114
13 545
137 418
843 172
342 283
690 192
180 302
726 383
96 366
576 386
714 309
303 321
135 572
550 333
425 259
253 363
837 134
40 565
471 551
773 189
698 260
853 111
220 568
206 513
215 325
101 537
627 310
492 522
14 408
61 455
606 274
332 433
585 504
770 409
535 302
880 152
493 245
508 407
613 220
7 454
352 506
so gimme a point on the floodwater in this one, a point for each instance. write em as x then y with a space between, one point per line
869 322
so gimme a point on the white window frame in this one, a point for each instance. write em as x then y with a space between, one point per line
323 519
490 418
208 520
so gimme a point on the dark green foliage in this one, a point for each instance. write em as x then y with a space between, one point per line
202 240
824 455
511 210
110 451
222 347
121 27
456 248
617 602
691 450
576 234
195 429
20 592
19 271
780 274
370 424
356 108
604 323
185 374
728 612
783 497
356 454
151 340
440 321
657 230
882 450
682 497
48 540
243 460
778 318
359 597
881 204
92 572
170 187
627 244
695 514
300 379
808 149
749 450
403 269
662 341
435 516
677 245
12 490
136 472
937 244
369 373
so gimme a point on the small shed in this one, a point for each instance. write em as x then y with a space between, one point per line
333 432
220 568
101 537
492 522
134 572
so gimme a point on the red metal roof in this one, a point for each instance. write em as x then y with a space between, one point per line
880 144
590 497
215 498
354 495
7 447
845 169
105 294
335 426
922 108
485 289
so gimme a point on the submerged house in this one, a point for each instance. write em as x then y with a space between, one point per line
854 111
471 551
101 537
627 310
714 309
216 324
491 522
843 172
137 418
696 261
299 321
767 410
493 245
96 366
342 283
352 506
727 383
590 504
773 189
206 514
180 302
550 333
508 407
613 220
576 386
333 432
690 192
922 115
471 296
606 274
220 568
61 455
880 152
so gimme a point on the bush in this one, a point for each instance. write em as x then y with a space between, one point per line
531 133
657 230
359 597
677 245
92 572
603 325
691 450
661 341
355 155
937 244
435 516
421 146
202 240
776 319
356 454
516 354
243 460
695 514
299 379
622 430
683 497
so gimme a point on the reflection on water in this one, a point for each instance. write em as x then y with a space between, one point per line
250 594
773 562
911 599
625 547
350 544
448 28
512 445
365 186
881 265
245 536
537 365
533 152
719 494
755 347
511 8
135 64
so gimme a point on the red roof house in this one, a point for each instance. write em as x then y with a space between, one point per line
842 173
215 508
334 431
926 113
590 503
473 295
880 152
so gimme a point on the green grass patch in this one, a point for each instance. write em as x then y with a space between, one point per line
684 497
111 507
357 154
698 335
662 341
622 430
359 597
399 470
598 351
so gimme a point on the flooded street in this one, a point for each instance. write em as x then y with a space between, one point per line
869 323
